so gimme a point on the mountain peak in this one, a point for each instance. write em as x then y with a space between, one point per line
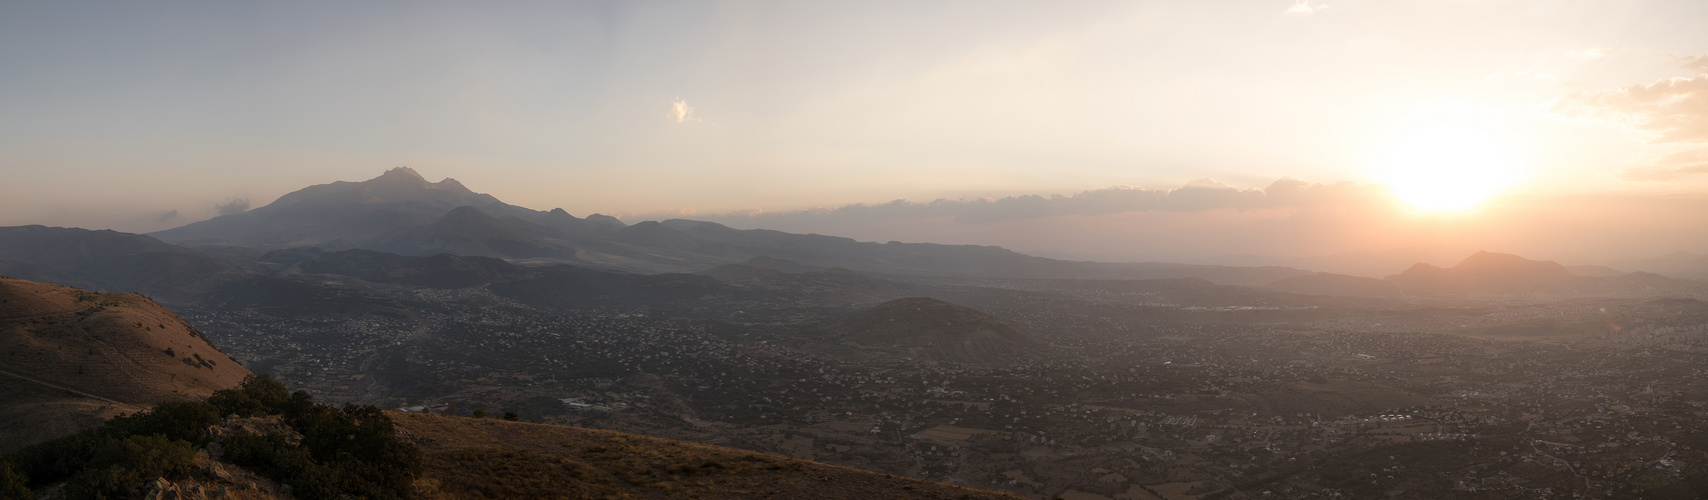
402 173
450 184
1490 261
408 179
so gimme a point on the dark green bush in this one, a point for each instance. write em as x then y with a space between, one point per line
259 394
350 451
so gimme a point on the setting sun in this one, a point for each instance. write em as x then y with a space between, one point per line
1447 167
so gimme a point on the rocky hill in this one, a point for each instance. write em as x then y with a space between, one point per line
72 358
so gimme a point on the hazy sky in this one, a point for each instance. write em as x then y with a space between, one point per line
147 115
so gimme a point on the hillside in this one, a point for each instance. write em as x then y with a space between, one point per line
259 441
927 329
110 261
73 358
488 458
468 231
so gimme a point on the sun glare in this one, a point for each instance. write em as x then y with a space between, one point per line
1447 167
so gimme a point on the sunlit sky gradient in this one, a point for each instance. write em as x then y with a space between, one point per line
144 116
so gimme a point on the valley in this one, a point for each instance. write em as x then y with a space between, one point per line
1497 377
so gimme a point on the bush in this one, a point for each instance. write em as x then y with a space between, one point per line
13 486
259 394
184 421
118 468
351 451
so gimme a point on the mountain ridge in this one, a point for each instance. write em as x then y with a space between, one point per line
400 212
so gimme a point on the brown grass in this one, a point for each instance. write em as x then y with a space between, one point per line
106 345
482 458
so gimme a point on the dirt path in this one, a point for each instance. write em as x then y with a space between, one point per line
34 316
57 386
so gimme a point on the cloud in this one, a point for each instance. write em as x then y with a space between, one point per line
1305 7
234 206
681 112
1693 63
1673 166
1674 110
169 216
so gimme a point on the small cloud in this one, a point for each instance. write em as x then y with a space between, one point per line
1595 52
234 206
681 112
1674 110
1207 183
1693 63
1305 7
169 216
1669 167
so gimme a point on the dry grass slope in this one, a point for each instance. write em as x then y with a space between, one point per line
484 458
70 359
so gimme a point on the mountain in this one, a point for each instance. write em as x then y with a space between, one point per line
1677 264
400 212
468 231
1488 272
375 211
1485 272
439 271
110 261
930 259
73 358
928 329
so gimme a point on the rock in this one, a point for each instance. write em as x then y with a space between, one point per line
218 472
214 450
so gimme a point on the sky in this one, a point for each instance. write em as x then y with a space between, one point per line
1316 128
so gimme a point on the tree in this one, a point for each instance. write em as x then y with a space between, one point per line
479 414
511 416
257 394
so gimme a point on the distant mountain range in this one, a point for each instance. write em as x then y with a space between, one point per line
400 212
110 261
1488 272
308 248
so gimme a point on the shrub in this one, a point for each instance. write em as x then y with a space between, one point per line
353 451
257 395
13 486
